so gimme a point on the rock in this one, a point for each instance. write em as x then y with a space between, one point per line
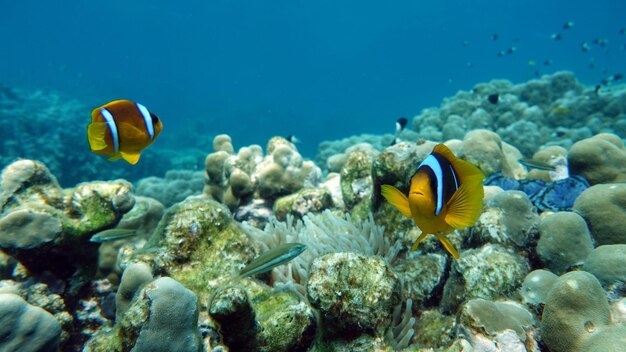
490 272
352 292
490 318
509 220
608 264
356 179
604 209
564 241
163 316
536 286
576 311
423 276
24 327
600 159
135 277
302 202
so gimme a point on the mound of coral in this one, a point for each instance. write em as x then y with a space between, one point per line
533 274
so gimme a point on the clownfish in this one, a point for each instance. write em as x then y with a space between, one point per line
122 129
445 194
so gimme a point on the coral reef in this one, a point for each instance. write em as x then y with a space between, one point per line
564 241
44 228
604 208
24 327
237 179
175 284
353 292
576 316
600 159
173 188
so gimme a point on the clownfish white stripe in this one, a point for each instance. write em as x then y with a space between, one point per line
112 127
456 182
434 165
147 119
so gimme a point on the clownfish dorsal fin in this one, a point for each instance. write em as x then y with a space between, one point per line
132 158
95 134
396 198
464 170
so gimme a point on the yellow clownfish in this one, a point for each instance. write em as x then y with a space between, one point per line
445 194
122 129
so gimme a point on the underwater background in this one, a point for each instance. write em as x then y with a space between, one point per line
316 70
270 213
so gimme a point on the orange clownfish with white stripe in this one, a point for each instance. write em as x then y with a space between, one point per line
121 129
445 193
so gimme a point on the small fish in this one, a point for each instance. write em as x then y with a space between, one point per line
400 125
511 50
112 235
568 25
495 36
501 53
618 76
465 43
445 193
494 98
121 129
556 36
532 63
601 41
292 139
268 260
584 46
534 164
597 89
547 62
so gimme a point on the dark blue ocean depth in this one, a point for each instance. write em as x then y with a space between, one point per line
316 69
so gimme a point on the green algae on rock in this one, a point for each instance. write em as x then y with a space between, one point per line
356 179
302 202
47 228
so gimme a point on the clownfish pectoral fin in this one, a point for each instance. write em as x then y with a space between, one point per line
115 156
418 240
396 198
132 158
447 245
95 134
466 204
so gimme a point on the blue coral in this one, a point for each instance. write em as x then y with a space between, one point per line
555 196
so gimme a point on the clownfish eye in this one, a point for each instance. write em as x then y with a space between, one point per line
155 118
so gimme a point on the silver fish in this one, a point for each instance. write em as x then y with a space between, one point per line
537 164
112 235
272 258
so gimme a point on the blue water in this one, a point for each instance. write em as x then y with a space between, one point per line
317 69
